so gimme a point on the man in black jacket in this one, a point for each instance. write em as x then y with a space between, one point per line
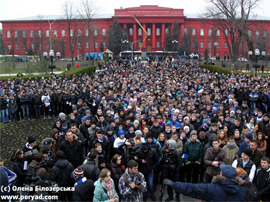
263 179
91 171
84 188
72 149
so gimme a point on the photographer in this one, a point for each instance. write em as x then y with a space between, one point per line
170 164
132 183
36 167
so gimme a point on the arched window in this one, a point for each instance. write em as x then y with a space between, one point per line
218 32
210 32
148 31
130 32
158 32
202 32
193 31
140 32
63 33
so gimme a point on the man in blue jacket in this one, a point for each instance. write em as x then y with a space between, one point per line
224 187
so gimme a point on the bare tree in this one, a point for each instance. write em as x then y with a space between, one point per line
87 12
71 25
231 18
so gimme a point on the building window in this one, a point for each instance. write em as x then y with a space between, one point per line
33 46
225 45
17 47
130 32
257 33
24 33
104 44
16 34
149 31
158 44
96 44
185 30
39 33
202 32
218 32
79 32
95 32
167 30
55 33
103 32
8 34
210 32
79 45
265 33
71 32
249 33
31 33
47 33
140 32
157 32
140 43
86 32
63 32
87 44
217 45
226 32
209 45
201 45
193 31
9 47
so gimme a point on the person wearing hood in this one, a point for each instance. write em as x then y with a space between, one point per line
61 174
30 148
231 150
58 140
105 188
37 168
193 153
84 187
263 179
224 187
58 126
174 122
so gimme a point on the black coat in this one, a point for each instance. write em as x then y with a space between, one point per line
151 159
73 152
263 183
91 171
21 174
84 191
61 173
116 172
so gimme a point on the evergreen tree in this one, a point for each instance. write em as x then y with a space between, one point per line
168 39
2 45
114 37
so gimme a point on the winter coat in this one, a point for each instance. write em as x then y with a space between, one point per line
194 151
231 153
129 194
100 194
21 174
116 172
214 155
61 172
84 189
151 159
12 106
29 152
256 157
39 170
156 131
73 152
3 103
221 189
263 183
91 171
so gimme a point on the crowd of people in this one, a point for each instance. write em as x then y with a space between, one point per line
120 133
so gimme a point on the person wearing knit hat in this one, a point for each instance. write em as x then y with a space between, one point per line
138 133
245 163
78 173
61 115
31 140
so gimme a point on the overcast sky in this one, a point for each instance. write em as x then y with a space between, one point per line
14 9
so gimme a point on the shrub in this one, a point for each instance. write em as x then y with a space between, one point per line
220 70
80 70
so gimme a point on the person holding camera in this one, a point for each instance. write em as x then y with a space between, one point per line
132 184
170 165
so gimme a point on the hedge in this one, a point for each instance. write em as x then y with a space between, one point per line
220 70
73 71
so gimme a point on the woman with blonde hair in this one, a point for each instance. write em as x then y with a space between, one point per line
105 188
222 138
162 139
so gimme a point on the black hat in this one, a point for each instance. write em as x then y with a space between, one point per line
31 139
247 151
145 146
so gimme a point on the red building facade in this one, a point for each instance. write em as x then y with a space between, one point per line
25 36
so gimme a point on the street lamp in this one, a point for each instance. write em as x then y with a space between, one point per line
58 55
256 54
45 55
175 42
51 54
125 42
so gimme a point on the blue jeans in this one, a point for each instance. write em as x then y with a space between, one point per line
4 115
25 112
37 111
150 185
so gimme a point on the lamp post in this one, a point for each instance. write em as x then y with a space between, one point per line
256 54
58 55
45 55
175 42
51 54
132 44
124 43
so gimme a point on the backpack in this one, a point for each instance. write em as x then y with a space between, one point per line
252 194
